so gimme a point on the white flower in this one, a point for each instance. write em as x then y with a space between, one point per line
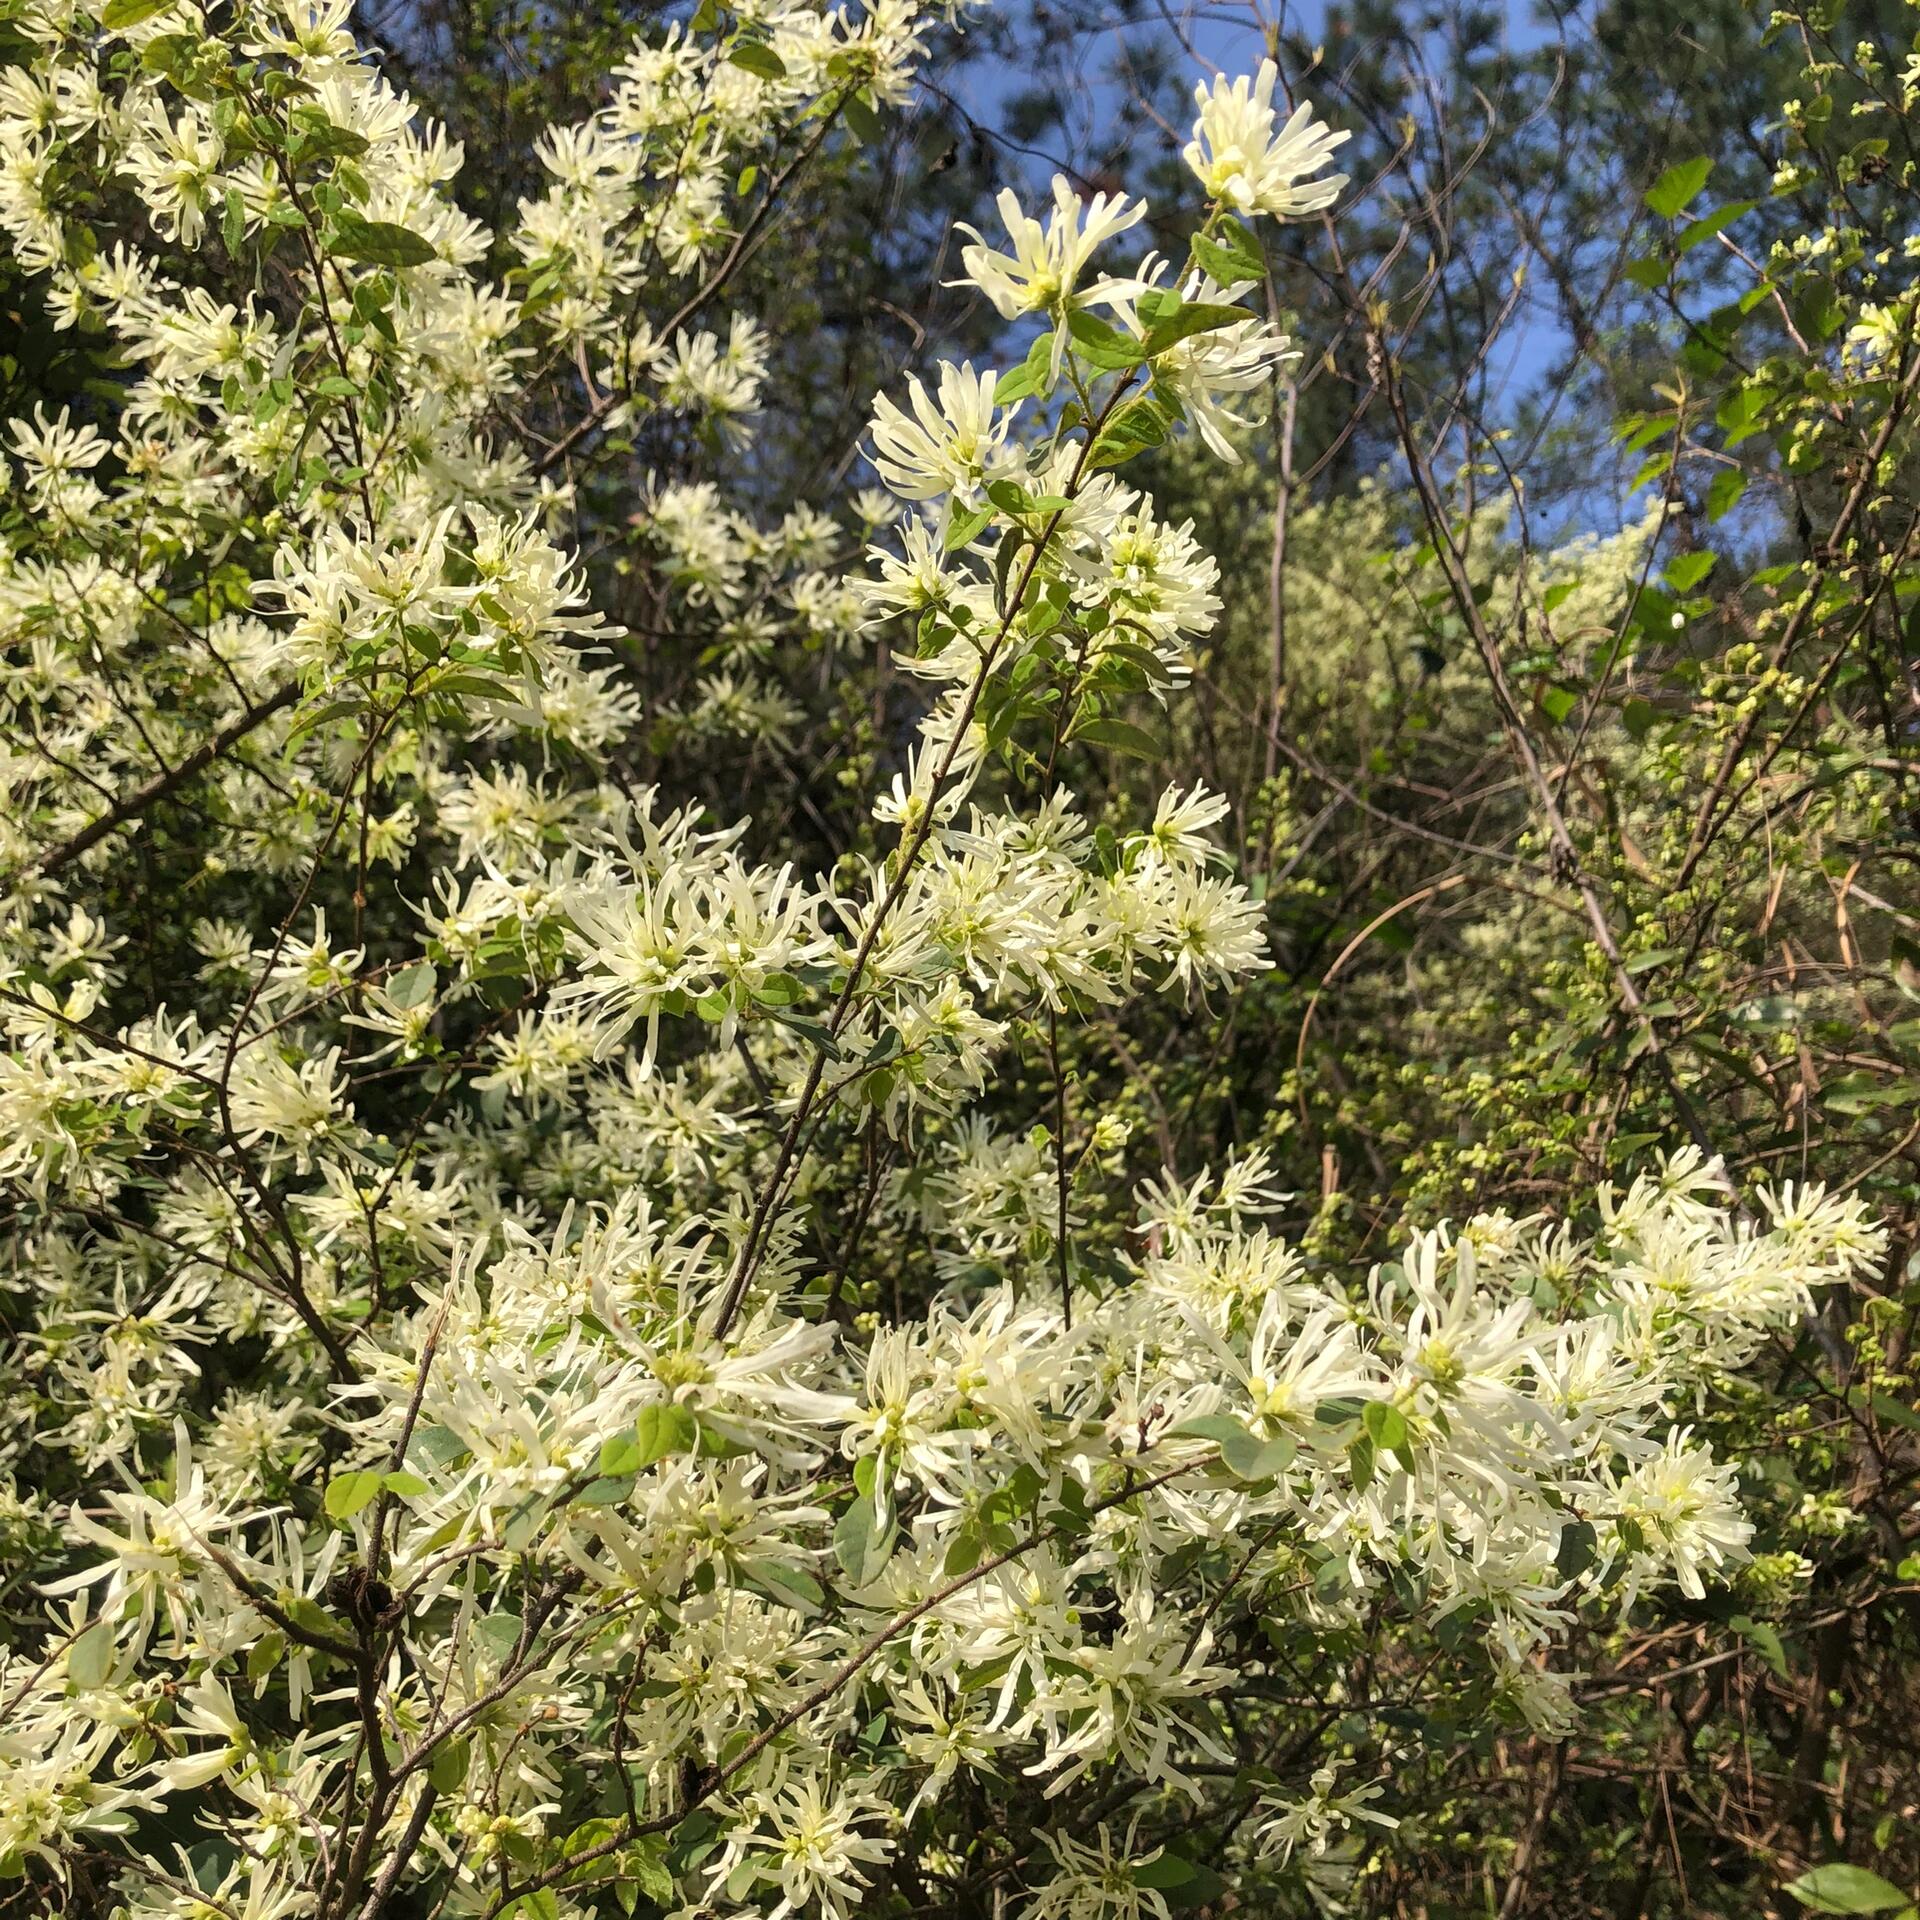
1245 165
814 1853
1210 929
1096 1881
206 1710
1228 360
52 449
1677 1513
299 1103
910 581
1042 273
951 445
1316 1820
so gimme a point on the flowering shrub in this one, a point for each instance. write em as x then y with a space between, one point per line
456 1475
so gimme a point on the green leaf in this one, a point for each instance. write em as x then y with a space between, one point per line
1741 411
312 1618
1819 309
1638 431
1386 1426
90 1658
500 1633
964 525
402 1482
1557 702
1042 618
119 14
1766 1638
1653 612
1011 497
448 1767
377 243
476 686
1151 667
413 986
1706 227
168 52
610 1490
1671 192
542 1904
664 1428
1033 375
1102 347
1650 469
1243 1452
1232 259
1015 384
863 1539
814 1032
347 1493
790 1586
1163 1870
586 1836
1840 1888
1897 1411
1651 957
1579 1548
1648 271
1121 735
1685 571
648 1871
646 1866
963 1553
862 122
1723 495
758 59
1187 319
1202 1888
441 1446
322 717
1217 1427
1140 424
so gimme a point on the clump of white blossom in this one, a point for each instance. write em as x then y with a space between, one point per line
568 1534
